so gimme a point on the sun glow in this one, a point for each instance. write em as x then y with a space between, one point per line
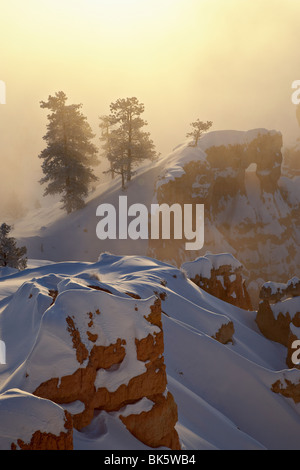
230 61
136 9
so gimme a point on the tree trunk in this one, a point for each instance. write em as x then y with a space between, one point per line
112 171
129 156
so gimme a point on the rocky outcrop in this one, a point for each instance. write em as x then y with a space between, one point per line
47 441
277 310
222 276
278 316
249 209
225 334
31 423
113 357
157 426
274 328
287 389
275 292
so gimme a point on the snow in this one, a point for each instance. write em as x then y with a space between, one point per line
4 272
292 282
203 265
50 234
185 153
274 287
295 330
291 306
22 414
223 392
143 405
54 339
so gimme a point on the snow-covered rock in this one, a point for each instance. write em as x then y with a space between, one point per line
92 347
222 276
278 316
251 214
31 423
224 394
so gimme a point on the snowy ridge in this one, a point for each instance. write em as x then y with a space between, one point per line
223 392
22 414
204 264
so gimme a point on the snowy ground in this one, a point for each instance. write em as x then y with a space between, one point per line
223 392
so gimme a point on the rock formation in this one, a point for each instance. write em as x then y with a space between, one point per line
31 423
278 316
291 159
251 211
222 276
109 356
287 389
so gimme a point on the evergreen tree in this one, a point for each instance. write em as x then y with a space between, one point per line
126 144
10 254
69 155
198 129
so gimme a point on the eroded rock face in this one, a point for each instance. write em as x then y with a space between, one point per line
221 276
225 333
279 307
276 292
247 213
47 441
278 316
31 423
113 356
274 328
287 389
156 427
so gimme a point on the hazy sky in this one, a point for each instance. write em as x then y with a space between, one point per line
228 61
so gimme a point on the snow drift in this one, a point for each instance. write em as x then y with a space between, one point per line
251 208
223 395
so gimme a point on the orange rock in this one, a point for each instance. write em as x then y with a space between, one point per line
275 329
290 390
225 333
157 427
47 441
221 285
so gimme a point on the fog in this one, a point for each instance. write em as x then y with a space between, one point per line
229 61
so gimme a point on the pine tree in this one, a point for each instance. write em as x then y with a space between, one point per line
198 129
69 155
10 254
126 144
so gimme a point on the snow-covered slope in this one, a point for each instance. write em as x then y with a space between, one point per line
251 214
222 391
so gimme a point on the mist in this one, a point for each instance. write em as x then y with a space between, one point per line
229 62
